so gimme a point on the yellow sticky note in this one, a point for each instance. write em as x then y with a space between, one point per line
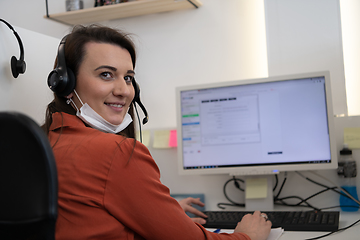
145 134
161 139
352 137
256 188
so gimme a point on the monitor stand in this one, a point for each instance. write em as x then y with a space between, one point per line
259 193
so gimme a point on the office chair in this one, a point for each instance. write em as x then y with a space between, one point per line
28 180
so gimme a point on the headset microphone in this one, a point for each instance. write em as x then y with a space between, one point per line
146 118
138 101
17 66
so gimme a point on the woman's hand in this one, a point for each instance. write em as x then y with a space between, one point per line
186 205
256 226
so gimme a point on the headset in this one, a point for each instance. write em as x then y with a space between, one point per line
62 79
17 66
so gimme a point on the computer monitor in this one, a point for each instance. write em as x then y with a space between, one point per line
256 126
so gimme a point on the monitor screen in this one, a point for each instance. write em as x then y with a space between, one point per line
256 126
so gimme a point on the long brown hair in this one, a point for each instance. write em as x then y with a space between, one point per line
74 54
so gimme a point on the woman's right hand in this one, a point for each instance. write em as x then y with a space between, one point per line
255 226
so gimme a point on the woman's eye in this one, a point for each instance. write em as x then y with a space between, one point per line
106 75
128 79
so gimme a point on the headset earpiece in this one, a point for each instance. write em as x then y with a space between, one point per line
61 82
62 79
17 66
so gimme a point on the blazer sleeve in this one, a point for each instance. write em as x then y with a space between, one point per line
135 196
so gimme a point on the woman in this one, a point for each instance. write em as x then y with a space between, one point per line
109 185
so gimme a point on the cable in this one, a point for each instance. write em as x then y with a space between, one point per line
322 185
302 201
343 190
276 182
47 9
331 188
281 187
297 204
341 229
237 185
281 201
232 203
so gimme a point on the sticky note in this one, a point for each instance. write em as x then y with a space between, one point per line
173 138
352 137
256 188
145 134
161 139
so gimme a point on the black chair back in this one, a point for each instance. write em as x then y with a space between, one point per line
28 180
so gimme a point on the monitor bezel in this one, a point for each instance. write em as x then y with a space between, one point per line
260 169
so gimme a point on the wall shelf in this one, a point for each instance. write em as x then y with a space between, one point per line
122 10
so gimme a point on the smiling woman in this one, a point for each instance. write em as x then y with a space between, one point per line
109 185
103 61
104 81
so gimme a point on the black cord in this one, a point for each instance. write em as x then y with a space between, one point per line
47 9
281 187
299 204
276 182
305 200
282 202
322 185
277 199
327 187
341 229
232 203
237 185
302 201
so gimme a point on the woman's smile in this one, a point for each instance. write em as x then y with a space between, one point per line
104 81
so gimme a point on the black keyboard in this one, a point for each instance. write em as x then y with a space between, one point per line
289 220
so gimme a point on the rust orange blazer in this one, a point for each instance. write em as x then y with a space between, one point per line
109 188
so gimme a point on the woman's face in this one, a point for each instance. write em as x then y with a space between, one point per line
104 81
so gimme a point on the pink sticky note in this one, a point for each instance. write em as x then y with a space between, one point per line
173 138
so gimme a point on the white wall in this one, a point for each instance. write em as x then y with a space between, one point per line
28 93
180 48
350 24
305 36
208 44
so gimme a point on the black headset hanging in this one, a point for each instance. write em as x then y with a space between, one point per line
17 66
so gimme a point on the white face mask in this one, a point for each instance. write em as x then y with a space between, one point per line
93 119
